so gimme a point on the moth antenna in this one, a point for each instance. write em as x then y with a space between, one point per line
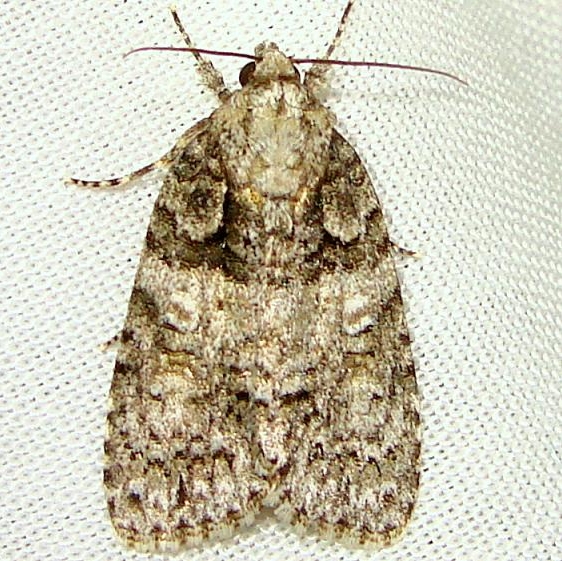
378 64
334 62
193 50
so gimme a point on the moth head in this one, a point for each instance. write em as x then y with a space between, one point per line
271 65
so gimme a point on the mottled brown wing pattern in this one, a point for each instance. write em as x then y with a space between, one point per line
265 360
176 472
230 392
354 463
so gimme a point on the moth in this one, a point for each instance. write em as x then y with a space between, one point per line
265 361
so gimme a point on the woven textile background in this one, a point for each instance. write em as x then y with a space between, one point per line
469 177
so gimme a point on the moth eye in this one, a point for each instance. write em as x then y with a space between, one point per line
246 73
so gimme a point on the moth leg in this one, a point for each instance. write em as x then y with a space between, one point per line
111 343
212 78
164 162
404 252
316 76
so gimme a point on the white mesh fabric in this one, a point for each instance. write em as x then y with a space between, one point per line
469 177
